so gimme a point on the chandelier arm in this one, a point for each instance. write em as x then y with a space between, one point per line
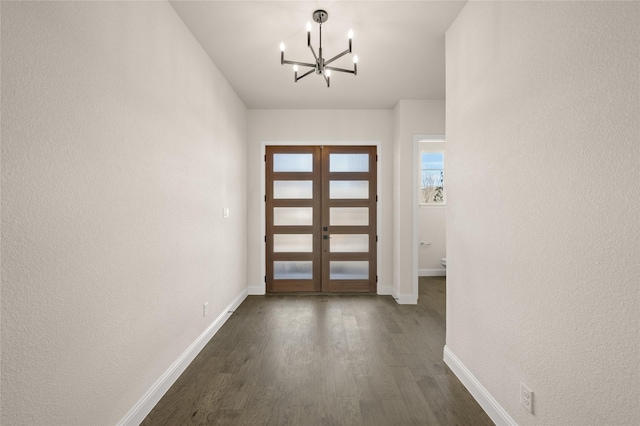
340 70
305 74
314 53
338 56
302 64
326 79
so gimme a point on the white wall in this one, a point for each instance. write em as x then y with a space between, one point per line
411 117
543 100
121 145
315 127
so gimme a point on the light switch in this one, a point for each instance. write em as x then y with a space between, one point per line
225 212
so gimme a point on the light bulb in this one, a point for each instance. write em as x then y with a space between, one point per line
328 73
350 34
308 26
355 59
295 68
282 47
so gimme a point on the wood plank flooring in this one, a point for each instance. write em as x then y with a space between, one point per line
324 360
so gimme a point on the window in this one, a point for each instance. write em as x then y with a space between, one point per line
432 174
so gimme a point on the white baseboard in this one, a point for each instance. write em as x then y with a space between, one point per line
481 395
404 299
256 290
144 406
385 290
432 272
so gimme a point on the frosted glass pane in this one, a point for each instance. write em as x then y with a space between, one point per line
293 270
292 243
293 189
348 189
349 216
349 270
349 162
349 243
292 162
292 216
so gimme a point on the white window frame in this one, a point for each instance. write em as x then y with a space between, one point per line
430 145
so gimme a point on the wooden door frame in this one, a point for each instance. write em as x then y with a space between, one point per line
261 288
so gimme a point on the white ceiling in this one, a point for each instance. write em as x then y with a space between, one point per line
400 47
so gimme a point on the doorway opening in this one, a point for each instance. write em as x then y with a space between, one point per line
321 219
429 208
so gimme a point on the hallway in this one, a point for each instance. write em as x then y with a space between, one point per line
325 360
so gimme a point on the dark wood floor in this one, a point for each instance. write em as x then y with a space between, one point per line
324 360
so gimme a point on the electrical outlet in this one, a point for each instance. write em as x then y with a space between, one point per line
526 397
204 309
225 212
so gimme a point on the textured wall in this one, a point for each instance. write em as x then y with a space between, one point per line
121 145
543 100
317 127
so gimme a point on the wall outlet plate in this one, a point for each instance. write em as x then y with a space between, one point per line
526 397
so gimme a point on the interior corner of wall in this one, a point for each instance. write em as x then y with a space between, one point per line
256 290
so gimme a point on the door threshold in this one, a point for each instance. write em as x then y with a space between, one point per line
315 293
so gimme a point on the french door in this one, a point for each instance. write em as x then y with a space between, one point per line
321 219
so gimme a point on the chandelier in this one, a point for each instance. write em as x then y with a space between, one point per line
321 66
